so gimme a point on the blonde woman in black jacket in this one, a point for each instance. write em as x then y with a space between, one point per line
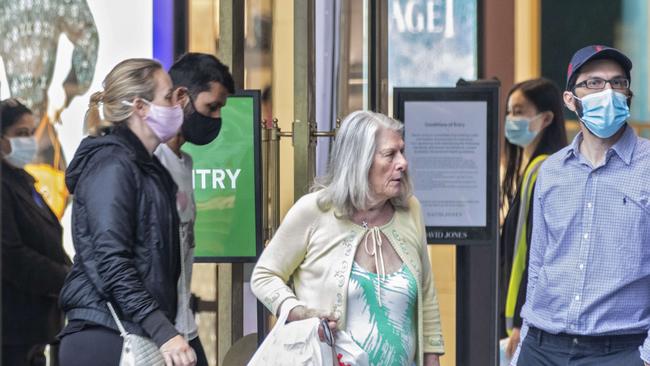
125 223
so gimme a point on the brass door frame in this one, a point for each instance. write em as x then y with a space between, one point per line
230 276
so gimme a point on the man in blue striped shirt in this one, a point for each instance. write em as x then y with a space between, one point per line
588 299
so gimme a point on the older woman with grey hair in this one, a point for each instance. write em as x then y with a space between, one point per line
355 250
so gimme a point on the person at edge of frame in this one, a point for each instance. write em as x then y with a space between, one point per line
588 292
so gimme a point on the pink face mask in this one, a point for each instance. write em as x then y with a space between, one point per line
165 122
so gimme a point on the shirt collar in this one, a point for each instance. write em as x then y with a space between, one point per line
624 147
574 148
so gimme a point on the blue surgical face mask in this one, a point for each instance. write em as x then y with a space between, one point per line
23 151
518 130
604 113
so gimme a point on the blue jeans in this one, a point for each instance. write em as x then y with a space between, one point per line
540 348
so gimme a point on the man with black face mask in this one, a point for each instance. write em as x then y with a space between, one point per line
588 297
207 83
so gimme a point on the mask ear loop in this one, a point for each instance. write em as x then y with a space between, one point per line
533 118
577 103
132 104
191 103
629 96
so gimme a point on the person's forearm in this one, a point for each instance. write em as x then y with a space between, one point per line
431 359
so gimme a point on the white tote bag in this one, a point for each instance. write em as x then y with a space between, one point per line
295 343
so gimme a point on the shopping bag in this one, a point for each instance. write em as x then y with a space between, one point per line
348 352
503 359
295 343
49 175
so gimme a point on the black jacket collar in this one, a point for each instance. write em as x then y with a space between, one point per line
133 142
22 184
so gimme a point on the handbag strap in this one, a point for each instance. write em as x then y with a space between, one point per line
182 280
284 313
123 332
282 319
43 126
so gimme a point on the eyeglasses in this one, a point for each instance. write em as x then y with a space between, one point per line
598 83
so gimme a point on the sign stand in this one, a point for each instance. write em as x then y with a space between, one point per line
228 192
451 140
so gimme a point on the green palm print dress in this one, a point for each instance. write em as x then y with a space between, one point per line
387 332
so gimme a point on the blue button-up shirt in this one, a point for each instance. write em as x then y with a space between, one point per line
589 271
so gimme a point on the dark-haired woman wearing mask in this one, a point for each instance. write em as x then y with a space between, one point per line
534 129
34 264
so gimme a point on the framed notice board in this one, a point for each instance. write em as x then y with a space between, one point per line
451 142
228 185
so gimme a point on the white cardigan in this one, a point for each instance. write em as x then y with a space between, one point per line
315 249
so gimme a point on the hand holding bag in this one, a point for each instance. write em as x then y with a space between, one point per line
136 350
348 352
295 343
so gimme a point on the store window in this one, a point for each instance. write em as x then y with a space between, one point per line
204 37
431 43
353 51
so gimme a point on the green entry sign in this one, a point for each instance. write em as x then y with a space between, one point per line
227 185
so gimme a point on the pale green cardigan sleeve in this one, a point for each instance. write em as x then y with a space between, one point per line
432 328
283 255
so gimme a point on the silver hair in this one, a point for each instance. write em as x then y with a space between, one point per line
346 186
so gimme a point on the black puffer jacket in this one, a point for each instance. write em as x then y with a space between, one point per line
125 233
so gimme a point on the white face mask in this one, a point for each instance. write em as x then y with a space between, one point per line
23 151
